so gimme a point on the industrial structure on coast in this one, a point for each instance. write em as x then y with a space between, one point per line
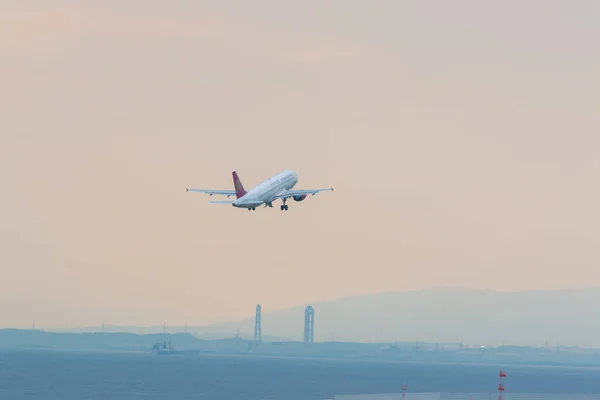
309 325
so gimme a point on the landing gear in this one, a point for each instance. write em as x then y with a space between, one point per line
284 207
252 208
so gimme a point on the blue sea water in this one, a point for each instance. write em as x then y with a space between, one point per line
115 376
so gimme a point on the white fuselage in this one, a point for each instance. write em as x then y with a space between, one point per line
264 192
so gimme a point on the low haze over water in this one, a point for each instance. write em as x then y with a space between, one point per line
112 376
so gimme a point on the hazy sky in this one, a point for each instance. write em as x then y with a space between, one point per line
462 138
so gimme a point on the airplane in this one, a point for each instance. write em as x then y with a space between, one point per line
278 187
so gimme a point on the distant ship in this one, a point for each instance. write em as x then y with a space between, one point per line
166 348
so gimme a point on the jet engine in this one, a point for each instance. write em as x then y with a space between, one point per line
299 197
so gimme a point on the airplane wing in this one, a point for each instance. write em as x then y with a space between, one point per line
291 193
221 202
210 192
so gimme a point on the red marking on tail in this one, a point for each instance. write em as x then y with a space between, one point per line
239 188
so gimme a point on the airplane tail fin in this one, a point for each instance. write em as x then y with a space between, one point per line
239 188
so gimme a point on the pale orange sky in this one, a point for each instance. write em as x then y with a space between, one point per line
462 139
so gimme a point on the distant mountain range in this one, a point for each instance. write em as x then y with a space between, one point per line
445 315
451 315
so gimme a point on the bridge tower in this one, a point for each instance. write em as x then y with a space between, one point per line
258 325
309 325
